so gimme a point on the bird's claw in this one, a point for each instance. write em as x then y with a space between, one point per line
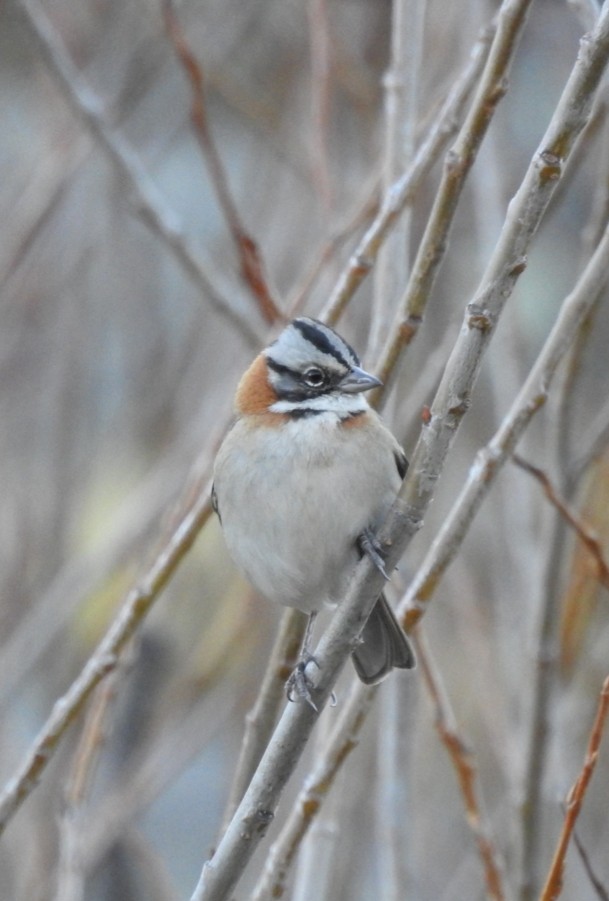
372 548
299 685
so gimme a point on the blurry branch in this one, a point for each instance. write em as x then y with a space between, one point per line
586 535
182 736
133 524
597 885
401 95
104 659
396 739
402 192
395 736
252 265
591 234
364 210
547 639
489 460
600 200
586 10
342 740
152 207
465 768
42 194
459 160
258 806
261 719
595 442
554 882
320 860
319 39
71 872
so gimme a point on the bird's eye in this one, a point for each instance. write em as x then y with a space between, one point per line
314 377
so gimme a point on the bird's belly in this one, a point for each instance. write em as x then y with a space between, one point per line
298 553
291 521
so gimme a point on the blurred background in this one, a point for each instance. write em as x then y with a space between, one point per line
124 327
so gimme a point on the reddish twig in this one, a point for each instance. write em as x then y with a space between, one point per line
587 536
575 798
465 768
252 267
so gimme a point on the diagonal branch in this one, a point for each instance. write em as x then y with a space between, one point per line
402 192
458 163
465 768
153 209
252 265
575 799
104 659
586 535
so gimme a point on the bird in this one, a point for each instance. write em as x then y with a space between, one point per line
302 479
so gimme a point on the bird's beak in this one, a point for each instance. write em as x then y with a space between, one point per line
358 380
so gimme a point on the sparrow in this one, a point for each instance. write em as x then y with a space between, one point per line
303 478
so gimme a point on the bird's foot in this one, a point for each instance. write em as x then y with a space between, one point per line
299 685
370 545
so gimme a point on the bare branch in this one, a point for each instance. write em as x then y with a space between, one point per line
262 718
598 886
319 39
152 207
104 660
402 192
459 160
505 266
586 535
342 740
553 885
401 96
252 265
465 768
71 872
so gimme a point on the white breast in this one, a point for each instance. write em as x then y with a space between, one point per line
294 499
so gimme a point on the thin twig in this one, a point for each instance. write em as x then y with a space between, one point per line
401 95
104 659
594 442
364 211
261 719
342 740
252 266
465 768
402 192
575 798
587 536
597 885
319 40
71 871
152 207
395 736
459 160
171 750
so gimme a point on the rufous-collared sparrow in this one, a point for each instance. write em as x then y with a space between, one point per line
303 478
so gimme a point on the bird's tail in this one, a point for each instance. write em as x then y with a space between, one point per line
383 645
